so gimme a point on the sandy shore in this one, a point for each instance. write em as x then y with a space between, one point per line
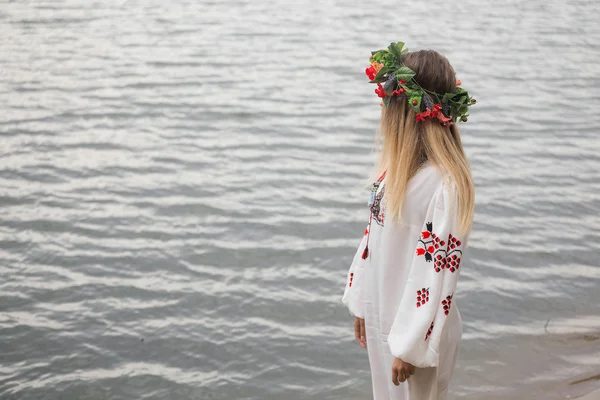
595 395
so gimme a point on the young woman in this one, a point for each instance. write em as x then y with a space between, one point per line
402 282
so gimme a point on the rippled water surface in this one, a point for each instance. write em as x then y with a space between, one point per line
180 193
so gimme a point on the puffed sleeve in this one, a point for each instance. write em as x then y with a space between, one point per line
427 299
353 296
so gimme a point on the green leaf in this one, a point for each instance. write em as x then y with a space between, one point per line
405 73
387 101
416 107
380 75
405 70
411 92
379 55
395 50
386 69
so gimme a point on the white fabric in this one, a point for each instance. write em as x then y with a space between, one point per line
384 288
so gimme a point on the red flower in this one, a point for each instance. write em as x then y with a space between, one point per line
398 92
380 92
458 82
422 116
373 69
436 110
420 251
430 249
425 234
443 119
371 73
402 82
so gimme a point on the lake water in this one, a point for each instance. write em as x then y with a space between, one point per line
181 199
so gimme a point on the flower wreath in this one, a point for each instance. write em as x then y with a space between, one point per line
398 80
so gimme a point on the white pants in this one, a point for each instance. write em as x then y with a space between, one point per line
426 383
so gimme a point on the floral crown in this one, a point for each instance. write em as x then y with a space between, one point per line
398 80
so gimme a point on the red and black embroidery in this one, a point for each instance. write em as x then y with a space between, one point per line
429 331
447 303
351 276
376 208
444 254
422 297
431 245
454 253
440 263
365 253
376 211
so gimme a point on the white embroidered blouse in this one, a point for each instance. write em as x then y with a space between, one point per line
405 285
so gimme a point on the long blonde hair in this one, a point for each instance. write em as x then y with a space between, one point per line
404 143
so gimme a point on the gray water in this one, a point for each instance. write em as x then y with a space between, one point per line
181 199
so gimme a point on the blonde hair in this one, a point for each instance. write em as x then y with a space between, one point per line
404 143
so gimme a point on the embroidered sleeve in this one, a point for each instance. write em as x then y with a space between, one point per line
354 292
427 299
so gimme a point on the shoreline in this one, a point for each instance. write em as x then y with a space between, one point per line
594 395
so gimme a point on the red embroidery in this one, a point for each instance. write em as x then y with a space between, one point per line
444 254
440 263
422 297
427 247
429 331
454 253
365 253
351 276
447 303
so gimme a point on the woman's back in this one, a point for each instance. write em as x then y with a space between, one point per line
403 278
